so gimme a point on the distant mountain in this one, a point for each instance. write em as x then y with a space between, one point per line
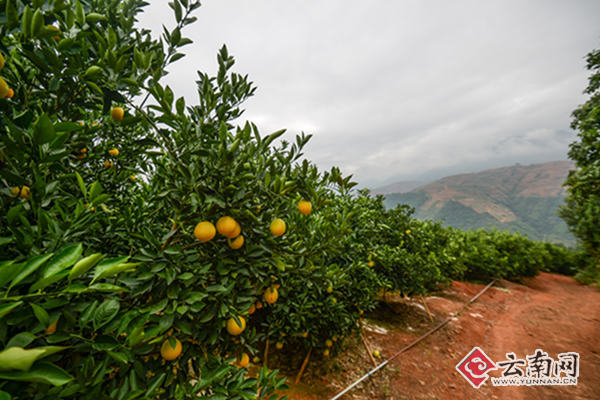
517 198
398 187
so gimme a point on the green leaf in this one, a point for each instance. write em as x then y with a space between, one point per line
115 270
44 130
26 21
95 190
93 72
79 13
63 260
21 339
18 358
155 383
41 314
106 287
6 308
4 395
94 17
107 265
84 265
8 269
37 22
105 313
29 268
66 127
81 184
42 372
44 282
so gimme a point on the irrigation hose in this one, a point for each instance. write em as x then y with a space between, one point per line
412 344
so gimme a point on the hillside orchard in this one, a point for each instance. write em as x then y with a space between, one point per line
151 248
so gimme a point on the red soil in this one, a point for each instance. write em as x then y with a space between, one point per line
550 312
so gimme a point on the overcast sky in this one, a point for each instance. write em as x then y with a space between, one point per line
401 90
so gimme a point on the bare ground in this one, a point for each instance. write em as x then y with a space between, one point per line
550 312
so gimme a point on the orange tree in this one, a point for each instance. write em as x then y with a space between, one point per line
78 172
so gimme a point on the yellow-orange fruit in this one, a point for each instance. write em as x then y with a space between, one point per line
328 343
259 305
226 226
304 207
279 345
10 94
233 328
117 114
271 295
236 232
237 242
243 361
23 192
371 264
277 227
3 88
113 152
108 164
252 309
169 352
204 231
326 353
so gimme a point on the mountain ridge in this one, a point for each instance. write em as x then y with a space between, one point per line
521 198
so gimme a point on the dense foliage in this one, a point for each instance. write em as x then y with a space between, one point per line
582 206
115 281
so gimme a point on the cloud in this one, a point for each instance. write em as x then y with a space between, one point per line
403 90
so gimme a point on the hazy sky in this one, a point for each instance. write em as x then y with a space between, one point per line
401 90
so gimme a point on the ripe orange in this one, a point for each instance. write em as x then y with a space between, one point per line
52 327
376 353
243 361
278 227
407 232
252 309
108 164
328 343
204 231
305 334
236 232
226 226
326 353
23 192
10 94
304 207
271 295
117 114
259 305
371 264
233 328
237 243
279 345
169 352
113 152
3 88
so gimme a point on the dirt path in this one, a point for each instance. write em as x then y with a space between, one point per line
549 312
